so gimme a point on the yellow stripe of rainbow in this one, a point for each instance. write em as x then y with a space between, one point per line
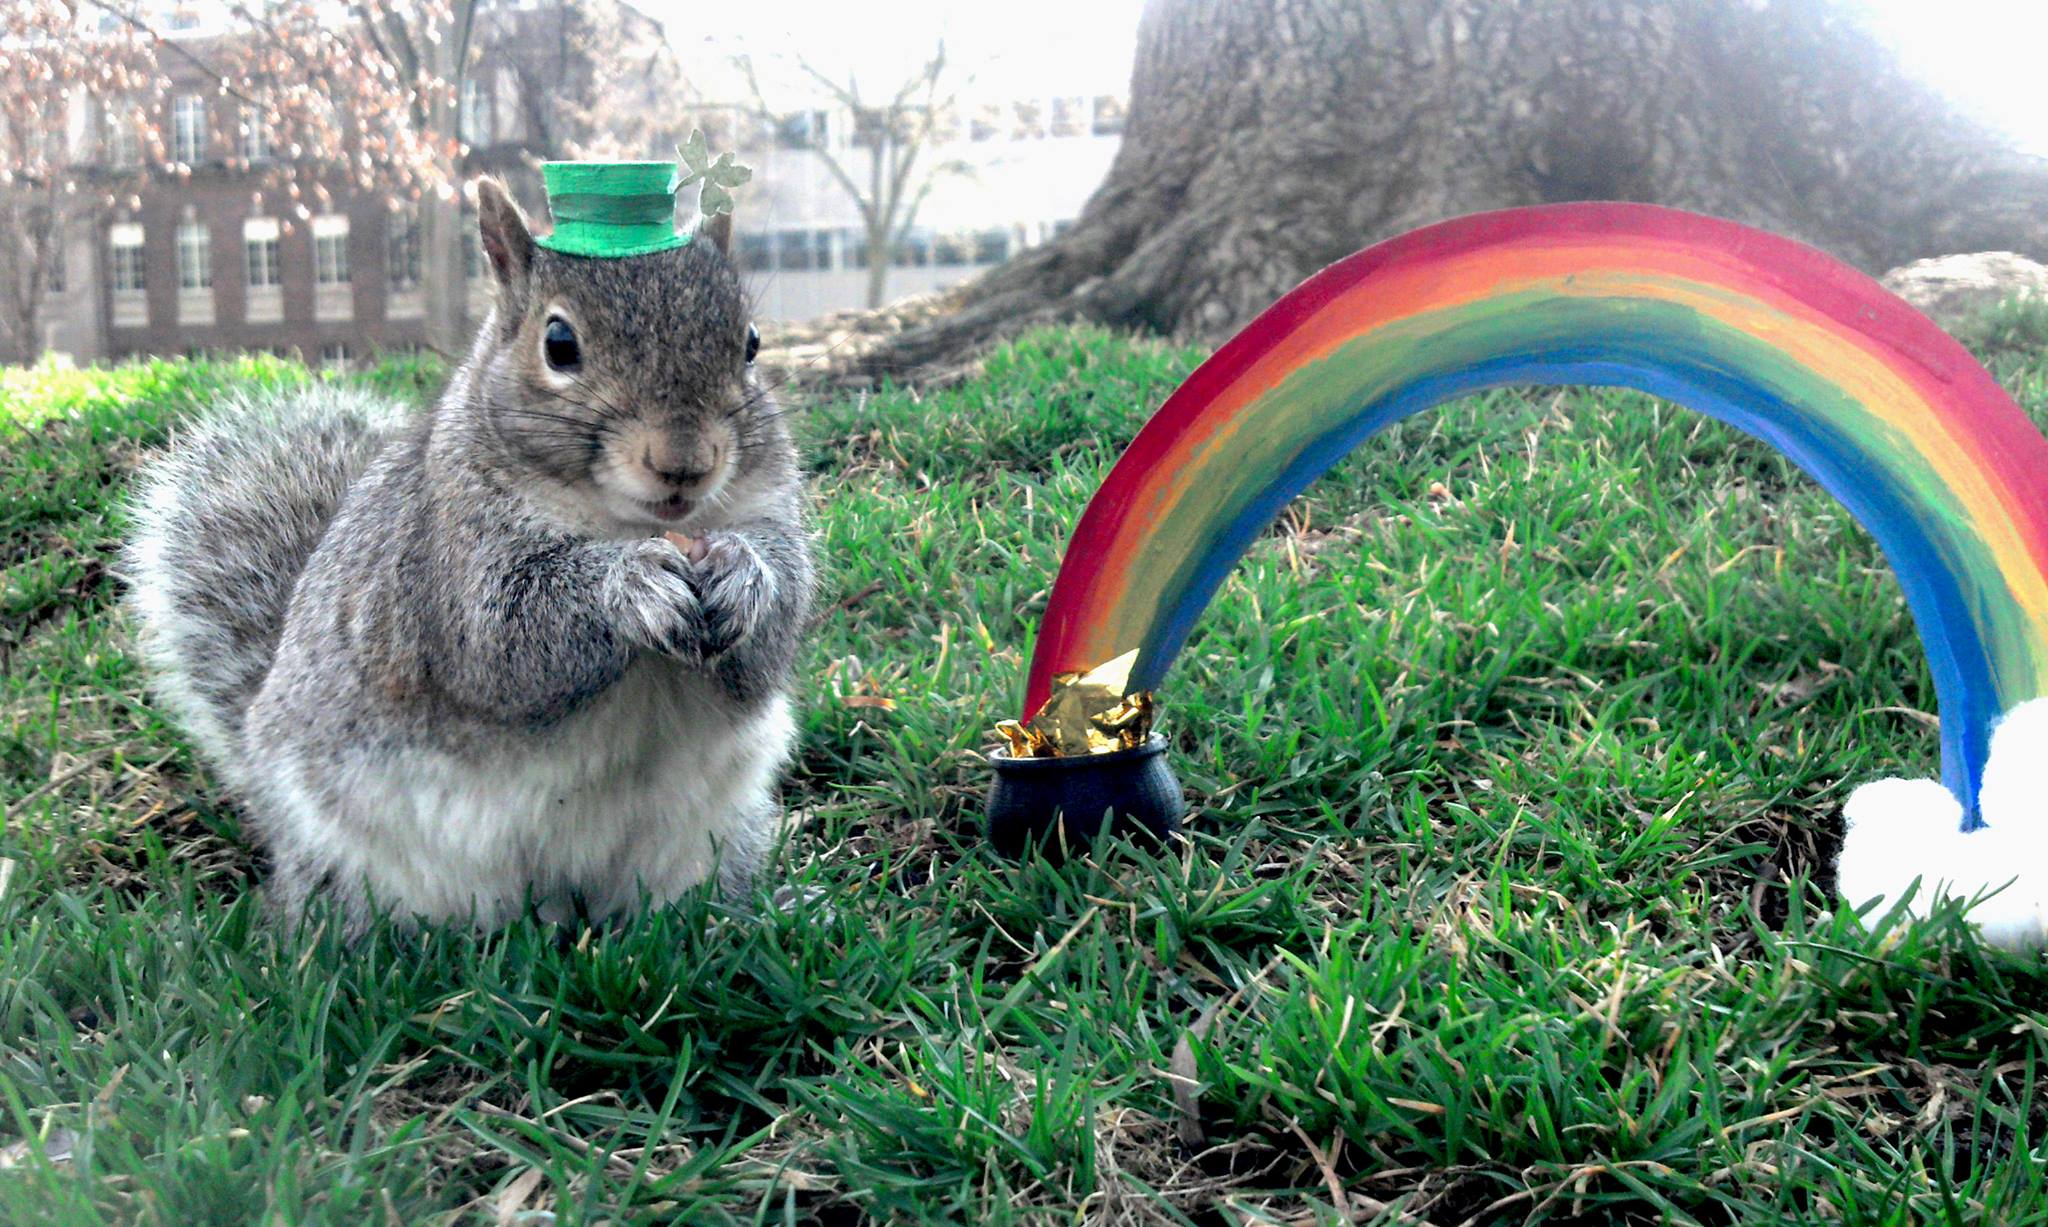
1869 397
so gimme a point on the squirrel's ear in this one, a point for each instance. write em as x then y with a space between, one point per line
718 229
502 227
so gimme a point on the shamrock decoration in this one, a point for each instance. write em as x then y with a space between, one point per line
718 176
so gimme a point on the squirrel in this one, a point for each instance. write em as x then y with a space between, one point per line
529 648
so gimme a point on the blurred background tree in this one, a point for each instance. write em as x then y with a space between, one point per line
1263 138
46 73
1267 138
886 169
366 97
367 102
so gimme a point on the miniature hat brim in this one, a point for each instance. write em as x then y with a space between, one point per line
605 210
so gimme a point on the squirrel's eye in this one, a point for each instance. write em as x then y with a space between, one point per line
558 345
753 343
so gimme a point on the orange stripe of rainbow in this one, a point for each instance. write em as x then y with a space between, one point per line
1888 412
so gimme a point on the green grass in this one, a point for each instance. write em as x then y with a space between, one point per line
1516 752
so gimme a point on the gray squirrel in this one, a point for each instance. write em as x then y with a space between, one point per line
453 664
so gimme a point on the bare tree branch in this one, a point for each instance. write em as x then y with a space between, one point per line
362 101
892 133
183 52
362 12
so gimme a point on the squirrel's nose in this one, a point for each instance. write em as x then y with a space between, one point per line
680 476
682 466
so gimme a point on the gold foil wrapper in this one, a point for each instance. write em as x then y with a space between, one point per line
1088 713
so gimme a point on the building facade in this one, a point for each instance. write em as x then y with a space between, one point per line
205 261
210 260
1016 172
204 268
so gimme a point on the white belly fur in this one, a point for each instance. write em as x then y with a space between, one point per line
645 791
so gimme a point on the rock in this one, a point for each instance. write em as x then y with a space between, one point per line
1951 289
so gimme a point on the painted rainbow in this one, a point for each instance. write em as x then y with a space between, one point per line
1869 397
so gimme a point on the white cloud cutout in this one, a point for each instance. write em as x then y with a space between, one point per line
1899 830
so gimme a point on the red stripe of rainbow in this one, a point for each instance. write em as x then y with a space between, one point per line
1864 393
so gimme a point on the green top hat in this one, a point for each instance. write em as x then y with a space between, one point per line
609 209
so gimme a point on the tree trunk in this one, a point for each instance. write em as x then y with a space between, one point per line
37 225
1267 138
881 254
443 276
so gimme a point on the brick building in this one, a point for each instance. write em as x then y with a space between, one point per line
204 268
211 261
207 262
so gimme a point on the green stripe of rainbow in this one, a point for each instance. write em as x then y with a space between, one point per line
1869 397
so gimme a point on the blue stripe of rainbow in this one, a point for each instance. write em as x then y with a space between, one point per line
1889 414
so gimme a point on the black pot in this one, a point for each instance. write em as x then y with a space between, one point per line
1076 799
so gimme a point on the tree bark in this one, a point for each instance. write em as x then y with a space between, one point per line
880 252
1267 138
34 215
442 271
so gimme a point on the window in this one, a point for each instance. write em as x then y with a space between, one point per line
259 245
855 244
123 149
1069 116
330 250
800 130
255 135
987 123
793 250
992 246
126 241
195 257
1061 226
188 127
473 117
1109 115
334 355
869 126
914 250
402 250
1027 120
757 253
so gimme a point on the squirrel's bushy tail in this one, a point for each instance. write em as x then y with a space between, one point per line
221 526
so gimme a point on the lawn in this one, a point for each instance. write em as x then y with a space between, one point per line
1515 754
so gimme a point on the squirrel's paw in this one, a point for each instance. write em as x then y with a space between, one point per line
735 588
653 602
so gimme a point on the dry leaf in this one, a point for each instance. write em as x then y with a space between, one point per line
1417 1105
1187 1090
512 1198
